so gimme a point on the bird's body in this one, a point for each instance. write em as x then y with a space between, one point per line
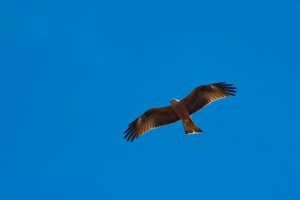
179 110
183 113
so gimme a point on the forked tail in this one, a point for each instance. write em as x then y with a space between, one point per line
190 127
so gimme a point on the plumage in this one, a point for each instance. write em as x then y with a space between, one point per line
206 94
151 119
196 100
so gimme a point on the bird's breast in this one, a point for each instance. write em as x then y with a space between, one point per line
180 110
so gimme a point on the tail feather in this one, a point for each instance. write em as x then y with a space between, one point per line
190 127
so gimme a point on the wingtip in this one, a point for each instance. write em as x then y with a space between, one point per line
130 133
228 88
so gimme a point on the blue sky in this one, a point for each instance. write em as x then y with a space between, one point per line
74 74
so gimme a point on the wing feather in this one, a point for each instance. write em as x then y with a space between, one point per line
151 119
206 94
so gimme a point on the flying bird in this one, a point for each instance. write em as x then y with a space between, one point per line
179 110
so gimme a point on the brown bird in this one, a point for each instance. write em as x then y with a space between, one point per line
196 100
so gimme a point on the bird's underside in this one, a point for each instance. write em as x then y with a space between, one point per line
179 110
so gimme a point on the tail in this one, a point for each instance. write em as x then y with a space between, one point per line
190 127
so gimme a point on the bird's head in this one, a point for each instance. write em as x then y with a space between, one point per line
173 100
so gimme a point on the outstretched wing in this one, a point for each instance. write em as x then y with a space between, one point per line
204 95
152 118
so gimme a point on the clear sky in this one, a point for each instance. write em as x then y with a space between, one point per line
74 74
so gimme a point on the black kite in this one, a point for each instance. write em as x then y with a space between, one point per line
196 100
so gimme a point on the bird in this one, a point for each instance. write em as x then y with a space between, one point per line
200 97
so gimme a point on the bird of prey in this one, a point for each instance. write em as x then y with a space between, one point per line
179 110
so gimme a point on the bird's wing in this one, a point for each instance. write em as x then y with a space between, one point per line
152 118
204 95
